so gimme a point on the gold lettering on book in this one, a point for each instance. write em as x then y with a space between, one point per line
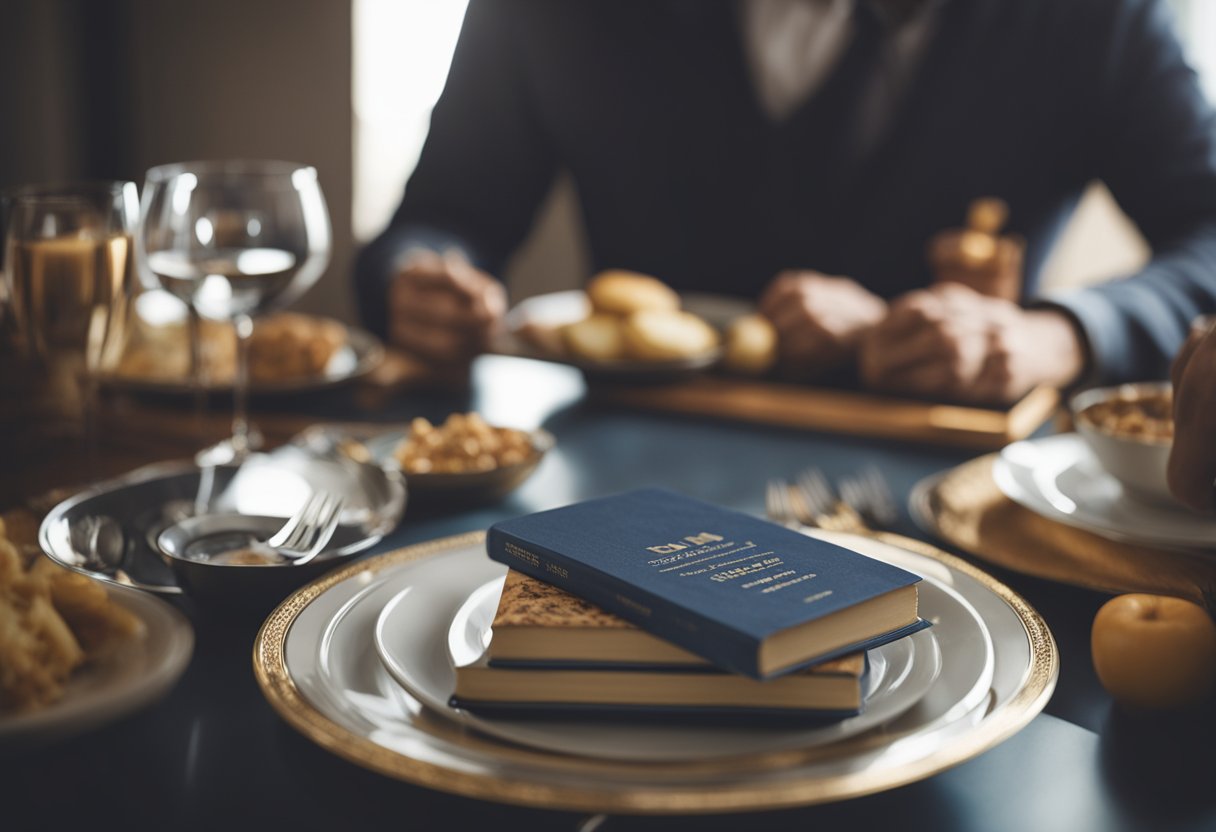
747 569
700 539
667 548
522 553
777 587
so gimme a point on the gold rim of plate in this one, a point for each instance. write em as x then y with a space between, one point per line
724 795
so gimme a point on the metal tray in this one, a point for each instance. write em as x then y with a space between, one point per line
109 531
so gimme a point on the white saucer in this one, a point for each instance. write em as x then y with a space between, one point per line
1059 478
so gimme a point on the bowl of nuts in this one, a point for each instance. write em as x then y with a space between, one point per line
465 458
1130 429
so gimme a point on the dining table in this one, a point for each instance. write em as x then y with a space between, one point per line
214 754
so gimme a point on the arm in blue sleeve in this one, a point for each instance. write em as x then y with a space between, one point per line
1155 136
485 167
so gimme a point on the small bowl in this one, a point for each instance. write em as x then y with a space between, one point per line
195 547
1137 462
481 486
464 488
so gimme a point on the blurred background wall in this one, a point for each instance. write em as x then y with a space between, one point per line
107 88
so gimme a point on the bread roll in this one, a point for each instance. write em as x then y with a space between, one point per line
662 335
621 292
598 338
751 345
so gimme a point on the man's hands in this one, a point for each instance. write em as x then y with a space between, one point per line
820 320
949 341
1192 468
442 309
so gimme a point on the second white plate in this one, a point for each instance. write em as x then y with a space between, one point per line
1059 478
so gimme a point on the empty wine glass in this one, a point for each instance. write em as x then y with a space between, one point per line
233 239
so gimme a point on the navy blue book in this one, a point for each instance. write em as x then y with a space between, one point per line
747 595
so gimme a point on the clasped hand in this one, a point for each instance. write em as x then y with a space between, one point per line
947 341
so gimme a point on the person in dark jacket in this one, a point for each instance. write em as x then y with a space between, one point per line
801 153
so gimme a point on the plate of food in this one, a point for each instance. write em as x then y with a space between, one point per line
78 654
632 327
464 458
288 352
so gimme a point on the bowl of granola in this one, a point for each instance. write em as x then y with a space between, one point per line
1130 429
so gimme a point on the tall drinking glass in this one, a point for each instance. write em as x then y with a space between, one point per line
233 239
69 278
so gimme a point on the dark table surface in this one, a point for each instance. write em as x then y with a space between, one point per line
212 753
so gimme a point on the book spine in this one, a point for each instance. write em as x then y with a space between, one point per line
709 639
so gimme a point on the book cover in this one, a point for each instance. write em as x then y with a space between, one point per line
745 594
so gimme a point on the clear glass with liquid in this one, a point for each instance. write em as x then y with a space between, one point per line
233 240
69 274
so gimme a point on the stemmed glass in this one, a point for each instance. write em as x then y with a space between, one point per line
233 239
68 269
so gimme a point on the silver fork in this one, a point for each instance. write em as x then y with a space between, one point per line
307 531
822 507
777 503
869 495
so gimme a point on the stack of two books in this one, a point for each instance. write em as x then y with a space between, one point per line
651 603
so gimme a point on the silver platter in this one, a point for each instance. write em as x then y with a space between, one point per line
108 531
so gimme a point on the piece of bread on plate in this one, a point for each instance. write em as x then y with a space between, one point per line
620 292
660 335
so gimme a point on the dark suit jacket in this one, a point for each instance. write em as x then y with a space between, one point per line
680 174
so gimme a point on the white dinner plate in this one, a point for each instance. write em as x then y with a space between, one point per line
135 675
439 590
340 696
1059 478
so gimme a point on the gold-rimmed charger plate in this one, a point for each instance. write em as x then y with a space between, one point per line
382 728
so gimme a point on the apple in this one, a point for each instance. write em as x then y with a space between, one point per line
1153 651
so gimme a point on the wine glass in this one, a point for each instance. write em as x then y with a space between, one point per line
233 239
69 279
